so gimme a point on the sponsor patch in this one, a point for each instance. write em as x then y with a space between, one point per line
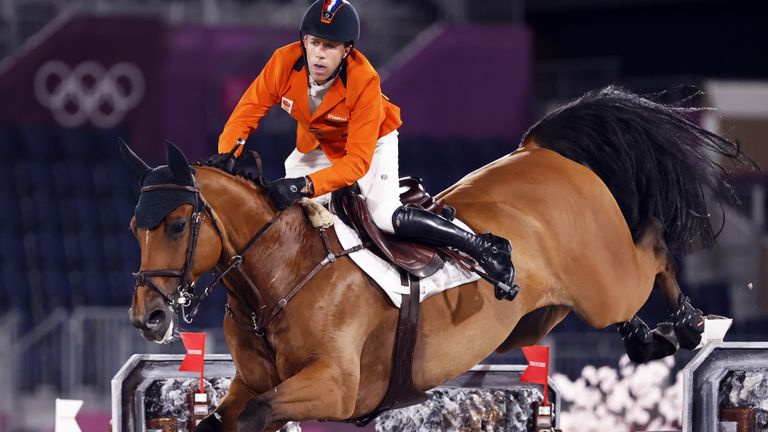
338 118
287 105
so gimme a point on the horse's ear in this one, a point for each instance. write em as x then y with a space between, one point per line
178 163
136 165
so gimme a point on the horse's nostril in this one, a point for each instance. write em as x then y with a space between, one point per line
156 319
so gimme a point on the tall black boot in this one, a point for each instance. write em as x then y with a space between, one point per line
491 252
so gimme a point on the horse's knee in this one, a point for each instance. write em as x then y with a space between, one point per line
255 417
325 389
341 397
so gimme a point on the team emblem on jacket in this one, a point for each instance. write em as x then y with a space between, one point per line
287 105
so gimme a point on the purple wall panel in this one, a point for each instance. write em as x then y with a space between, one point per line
78 62
199 59
469 82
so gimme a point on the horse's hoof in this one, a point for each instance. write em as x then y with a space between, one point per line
637 351
255 416
643 344
212 423
689 324
664 341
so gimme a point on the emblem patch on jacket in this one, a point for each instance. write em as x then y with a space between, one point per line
287 105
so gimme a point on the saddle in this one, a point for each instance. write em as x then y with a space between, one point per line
417 259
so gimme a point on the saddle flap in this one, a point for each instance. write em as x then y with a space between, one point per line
418 260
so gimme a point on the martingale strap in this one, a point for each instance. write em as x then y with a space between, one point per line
259 321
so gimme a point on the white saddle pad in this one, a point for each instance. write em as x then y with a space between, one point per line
388 276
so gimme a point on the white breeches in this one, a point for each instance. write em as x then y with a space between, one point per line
380 185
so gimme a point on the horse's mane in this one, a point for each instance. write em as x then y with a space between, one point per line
247 167
652 158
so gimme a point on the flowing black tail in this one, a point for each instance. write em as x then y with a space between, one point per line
655 162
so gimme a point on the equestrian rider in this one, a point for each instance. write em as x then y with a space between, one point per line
346 133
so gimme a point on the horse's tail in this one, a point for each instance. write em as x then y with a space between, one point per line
655 162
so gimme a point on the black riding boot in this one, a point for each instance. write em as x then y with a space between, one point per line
491 252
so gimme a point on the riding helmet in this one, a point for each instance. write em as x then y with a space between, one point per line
334 20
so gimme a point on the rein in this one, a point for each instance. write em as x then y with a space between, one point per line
259 321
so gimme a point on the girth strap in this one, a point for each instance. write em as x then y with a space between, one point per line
401 391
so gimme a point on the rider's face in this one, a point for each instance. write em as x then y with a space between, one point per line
323 56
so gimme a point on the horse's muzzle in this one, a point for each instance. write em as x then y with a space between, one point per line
155 324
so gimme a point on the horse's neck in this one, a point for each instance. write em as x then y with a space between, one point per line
278 260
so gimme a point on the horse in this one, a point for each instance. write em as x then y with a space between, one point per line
597 199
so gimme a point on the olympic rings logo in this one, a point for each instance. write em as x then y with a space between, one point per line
89 92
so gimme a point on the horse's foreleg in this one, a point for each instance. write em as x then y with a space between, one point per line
224 418
324 389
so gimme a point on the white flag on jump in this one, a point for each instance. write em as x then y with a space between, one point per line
66 410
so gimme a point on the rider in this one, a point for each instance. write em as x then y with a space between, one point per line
347 133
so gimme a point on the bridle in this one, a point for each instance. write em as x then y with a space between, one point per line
185 291
258 321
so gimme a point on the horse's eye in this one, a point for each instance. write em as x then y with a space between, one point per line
178 227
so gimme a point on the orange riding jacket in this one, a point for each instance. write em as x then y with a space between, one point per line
353 115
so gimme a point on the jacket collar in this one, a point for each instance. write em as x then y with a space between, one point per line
336 93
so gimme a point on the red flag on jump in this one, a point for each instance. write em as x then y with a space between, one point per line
194 361
537 371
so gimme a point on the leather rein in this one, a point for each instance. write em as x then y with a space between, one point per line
259 321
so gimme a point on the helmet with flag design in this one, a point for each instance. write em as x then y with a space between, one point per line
334 20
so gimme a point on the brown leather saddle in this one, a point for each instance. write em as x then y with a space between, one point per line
416 259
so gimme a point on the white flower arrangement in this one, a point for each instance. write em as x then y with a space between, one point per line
632 398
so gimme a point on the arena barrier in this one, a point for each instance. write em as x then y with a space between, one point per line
149 390
726 388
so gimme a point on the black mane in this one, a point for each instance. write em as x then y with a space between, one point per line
247 166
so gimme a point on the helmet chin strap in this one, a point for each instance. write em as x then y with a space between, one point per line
335 72
306 62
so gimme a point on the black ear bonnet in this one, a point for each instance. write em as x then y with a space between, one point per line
154 205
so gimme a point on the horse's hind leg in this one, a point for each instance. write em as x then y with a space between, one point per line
687 321
643 344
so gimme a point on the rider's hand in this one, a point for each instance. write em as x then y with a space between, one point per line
225 161
286 191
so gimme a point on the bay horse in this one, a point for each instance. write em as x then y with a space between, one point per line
596 200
